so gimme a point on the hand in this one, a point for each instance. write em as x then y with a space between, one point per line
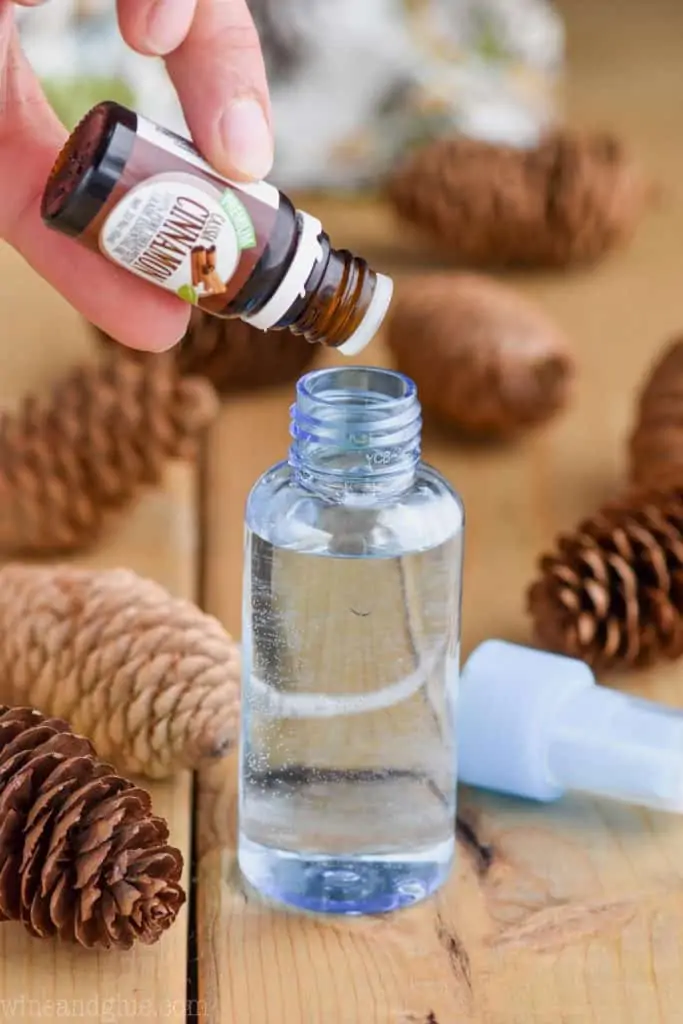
212 53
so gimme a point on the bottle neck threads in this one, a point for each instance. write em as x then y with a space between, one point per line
356 433
328 296
337 296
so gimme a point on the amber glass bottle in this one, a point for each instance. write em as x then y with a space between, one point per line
146 199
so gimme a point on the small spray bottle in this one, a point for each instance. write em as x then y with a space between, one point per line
536 725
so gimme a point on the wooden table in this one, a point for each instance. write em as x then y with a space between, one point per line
570 913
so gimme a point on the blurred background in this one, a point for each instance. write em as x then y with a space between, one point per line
486 68
356 86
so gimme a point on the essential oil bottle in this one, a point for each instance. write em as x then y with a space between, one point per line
146 199
350 641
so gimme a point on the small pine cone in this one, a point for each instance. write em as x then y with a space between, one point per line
656 443
81 855
485 359
233 355
88 449
567 201
612 592
151 680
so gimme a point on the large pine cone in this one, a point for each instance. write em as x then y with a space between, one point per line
612 592
567 201
485 359
81 855
103 434
656 443
234 356
149 678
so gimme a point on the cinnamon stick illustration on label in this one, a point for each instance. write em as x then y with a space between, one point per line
197 260
203 270
212 283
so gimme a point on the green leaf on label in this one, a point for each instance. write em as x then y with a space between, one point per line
240 219
187 293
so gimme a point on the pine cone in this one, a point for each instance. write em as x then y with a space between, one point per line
612 592
81 855
104 433
656 443
567 201
234 356
151 680
484 359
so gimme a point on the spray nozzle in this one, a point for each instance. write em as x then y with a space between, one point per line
536 725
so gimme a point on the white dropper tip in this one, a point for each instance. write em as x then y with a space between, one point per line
536 725
373 319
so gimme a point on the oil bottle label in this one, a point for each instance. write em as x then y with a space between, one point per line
181 233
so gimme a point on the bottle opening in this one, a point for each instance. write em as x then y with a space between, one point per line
364 386
355 426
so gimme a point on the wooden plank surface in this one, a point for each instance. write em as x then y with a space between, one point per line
44 981
571 913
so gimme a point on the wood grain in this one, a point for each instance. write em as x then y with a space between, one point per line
570 913
44 981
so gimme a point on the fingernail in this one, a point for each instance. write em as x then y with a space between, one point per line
161 31
247 139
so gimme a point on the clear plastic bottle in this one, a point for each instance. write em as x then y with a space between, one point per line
351 637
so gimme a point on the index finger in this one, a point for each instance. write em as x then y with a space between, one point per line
218 70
